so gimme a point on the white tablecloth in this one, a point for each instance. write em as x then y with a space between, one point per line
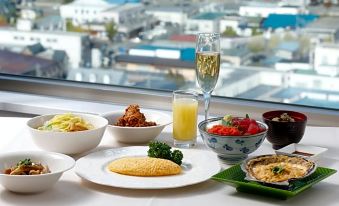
71 190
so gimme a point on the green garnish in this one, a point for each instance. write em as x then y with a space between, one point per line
247 116
25 162
227 120
163 151
277 170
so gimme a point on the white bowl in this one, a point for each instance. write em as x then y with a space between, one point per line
57 163
68 142
137 134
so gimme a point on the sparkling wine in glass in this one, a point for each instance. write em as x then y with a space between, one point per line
207 64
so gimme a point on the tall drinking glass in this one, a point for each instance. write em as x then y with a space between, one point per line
207 64
185 112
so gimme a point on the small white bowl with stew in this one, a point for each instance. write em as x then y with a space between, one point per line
57 164
137 135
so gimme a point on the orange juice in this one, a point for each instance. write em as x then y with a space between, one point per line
185 112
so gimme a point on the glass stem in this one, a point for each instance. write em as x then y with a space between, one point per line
207 97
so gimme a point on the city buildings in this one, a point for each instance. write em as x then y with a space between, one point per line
175 14
76 45
94 15
273 50
101 11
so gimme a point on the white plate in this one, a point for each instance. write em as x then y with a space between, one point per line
197 166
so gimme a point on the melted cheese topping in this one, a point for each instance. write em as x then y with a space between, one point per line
265 172
278 168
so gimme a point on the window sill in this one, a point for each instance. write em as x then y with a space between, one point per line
36 96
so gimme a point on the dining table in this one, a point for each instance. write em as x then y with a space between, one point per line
73 190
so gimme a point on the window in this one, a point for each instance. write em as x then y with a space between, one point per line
158 52
324 60
106 79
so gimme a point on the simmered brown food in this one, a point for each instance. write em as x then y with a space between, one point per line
284 117
27 167
134 118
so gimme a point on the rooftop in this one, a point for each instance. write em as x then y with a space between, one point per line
155 61
122 1
266 4
122 7
209 16
261 4
236 76
328 45
275 21
102 3
292 92
63 33
324 23
289 46
256 92
239 52
14 63
154 47
46 21
172 8
318 103
183 38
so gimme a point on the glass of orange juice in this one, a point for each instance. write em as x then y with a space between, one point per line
185 111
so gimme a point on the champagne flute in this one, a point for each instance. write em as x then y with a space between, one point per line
207 64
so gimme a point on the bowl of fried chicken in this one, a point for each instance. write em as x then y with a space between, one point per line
135 125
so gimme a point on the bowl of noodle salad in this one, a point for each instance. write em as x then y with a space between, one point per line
69 133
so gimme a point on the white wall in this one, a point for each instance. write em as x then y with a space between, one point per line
71 43
326 59
201 25
224 23
172 17
85 12
257 11
81 11
287 66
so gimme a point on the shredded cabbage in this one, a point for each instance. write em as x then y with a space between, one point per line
66 123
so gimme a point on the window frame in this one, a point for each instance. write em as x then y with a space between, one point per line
155 99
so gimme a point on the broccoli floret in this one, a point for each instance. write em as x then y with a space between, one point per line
163 151
177 156
159 150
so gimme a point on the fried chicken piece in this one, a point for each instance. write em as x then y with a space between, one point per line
133 118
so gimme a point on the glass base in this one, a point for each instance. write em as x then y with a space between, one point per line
184 144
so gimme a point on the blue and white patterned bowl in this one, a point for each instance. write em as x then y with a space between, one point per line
231 149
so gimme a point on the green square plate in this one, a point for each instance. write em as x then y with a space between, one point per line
234 176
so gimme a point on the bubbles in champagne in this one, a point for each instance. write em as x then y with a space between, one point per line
208 66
